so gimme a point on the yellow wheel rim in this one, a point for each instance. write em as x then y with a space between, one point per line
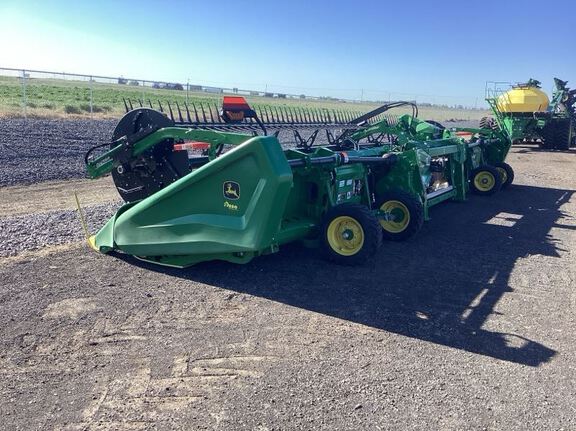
503 174
345 235
484 181
397 216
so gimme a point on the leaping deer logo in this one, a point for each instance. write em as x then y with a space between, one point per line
231 190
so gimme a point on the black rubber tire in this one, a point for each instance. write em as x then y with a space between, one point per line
508 177
543 144
556 134
562 134
494 124
415 211
485 122
370 230
494 174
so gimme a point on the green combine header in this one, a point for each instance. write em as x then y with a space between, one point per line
246 195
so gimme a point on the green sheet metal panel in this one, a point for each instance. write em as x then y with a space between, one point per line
233 204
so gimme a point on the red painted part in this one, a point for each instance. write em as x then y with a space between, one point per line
234 103
191 146
464 133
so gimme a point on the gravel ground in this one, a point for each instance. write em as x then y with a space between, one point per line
467 326
37 150
38 230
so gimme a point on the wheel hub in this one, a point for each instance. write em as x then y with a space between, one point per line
345 236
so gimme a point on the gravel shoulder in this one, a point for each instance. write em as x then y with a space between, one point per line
55 195
467 326
36 150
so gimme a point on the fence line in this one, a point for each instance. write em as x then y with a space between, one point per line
27 97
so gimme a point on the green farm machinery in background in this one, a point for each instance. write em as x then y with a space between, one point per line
243 194
524 113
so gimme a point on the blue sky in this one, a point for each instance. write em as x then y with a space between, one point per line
439 51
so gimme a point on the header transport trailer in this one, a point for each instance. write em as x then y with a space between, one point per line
246 195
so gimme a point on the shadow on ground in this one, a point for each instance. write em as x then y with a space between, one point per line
440 287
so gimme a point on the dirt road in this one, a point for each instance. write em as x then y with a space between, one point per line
470 325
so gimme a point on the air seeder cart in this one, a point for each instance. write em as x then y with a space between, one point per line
524 113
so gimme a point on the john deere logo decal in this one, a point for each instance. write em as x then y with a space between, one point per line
231 190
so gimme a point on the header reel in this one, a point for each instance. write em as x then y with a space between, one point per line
236 115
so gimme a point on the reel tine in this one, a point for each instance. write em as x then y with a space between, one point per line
267 115
306 117
170 109
187 113
160 106
301 115
282 113
329 118
313 114
203 112
150 104
130 102
264 114
293 119
195 112
297 115
179 112
288 113
211 116
335 118
217 113
277 119
140 103
125 104
260 116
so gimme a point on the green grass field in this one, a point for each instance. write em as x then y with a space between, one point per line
63 98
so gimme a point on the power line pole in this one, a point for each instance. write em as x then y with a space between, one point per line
91 95
24 102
